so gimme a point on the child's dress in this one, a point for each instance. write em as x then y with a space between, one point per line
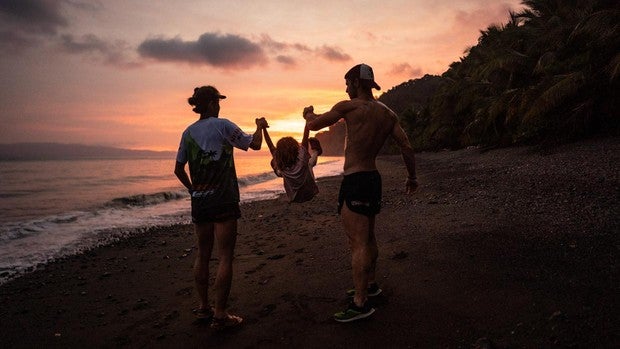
299 182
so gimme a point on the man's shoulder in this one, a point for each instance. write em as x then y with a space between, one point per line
349 105
356 103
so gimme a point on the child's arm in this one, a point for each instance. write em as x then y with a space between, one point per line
304 140
272 148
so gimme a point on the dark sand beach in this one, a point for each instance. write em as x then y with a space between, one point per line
506 248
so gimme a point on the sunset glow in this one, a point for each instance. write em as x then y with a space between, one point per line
119 73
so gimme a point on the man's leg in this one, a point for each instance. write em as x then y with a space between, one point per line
373 249
204 234
226 236
363 251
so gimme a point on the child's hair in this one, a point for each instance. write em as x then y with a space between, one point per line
287 150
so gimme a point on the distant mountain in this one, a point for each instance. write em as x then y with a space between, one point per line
332 139
59 151
412 93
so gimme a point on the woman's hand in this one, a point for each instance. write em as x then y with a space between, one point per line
261 123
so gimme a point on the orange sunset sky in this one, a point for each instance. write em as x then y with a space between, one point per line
119 72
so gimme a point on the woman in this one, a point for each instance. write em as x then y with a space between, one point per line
207 145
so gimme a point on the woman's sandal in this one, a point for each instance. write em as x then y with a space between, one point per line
228 322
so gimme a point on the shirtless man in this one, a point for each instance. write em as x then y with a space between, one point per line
369 124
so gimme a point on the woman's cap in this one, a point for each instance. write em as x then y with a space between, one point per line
362 72
207 93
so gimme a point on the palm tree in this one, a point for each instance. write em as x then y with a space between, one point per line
550 72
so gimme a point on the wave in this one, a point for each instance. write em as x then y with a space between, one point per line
27 244
23 229
142 200
256 178
20 230
144 178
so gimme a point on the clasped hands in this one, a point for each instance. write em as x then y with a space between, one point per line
307 110
261 123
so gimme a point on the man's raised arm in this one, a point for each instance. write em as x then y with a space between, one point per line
316 122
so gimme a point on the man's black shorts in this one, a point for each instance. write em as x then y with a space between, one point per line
362 193
221 213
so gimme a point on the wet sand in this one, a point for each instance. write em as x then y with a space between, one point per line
507 248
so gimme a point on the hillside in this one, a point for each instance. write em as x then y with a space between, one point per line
411 94
550 74
58 151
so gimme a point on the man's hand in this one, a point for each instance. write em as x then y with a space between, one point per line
411 185
309 109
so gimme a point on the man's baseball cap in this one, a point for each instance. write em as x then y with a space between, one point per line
207 93
362 72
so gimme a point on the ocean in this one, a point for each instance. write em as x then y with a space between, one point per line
55 208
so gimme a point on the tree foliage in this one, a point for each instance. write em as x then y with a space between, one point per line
549 74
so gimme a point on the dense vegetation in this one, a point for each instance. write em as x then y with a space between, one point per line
549 74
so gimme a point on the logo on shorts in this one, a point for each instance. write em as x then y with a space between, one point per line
201 194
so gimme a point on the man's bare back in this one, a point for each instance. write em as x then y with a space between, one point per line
368 126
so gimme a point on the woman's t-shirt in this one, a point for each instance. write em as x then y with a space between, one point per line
207 145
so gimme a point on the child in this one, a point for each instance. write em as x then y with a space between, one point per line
290 161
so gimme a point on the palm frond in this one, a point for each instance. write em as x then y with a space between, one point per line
564 88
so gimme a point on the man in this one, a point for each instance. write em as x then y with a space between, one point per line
369 123
207 145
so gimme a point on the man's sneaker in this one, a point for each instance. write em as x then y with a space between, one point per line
353 312
373 290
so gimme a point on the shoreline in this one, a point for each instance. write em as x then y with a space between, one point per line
510 247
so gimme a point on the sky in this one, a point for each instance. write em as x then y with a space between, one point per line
119 72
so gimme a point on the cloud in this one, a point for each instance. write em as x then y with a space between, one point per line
92 6
224 51
276 46
13 41
33 16
233 51
110 53
482 17
329 53
369 36
406 70
30 23
333 54
286 60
